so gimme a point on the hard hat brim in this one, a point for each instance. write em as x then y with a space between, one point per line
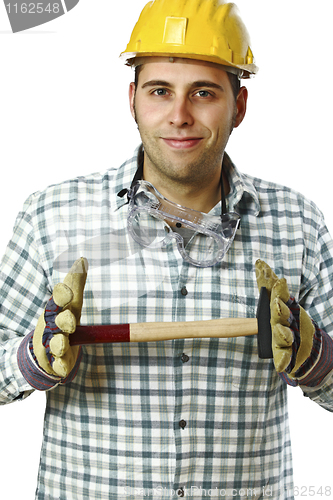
134 59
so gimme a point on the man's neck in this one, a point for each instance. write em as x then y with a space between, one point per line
202 198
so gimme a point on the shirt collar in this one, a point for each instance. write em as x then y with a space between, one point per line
125 174
239 183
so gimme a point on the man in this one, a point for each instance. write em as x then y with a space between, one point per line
203 417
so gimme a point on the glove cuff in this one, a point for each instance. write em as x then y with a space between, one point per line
320 367
30 369
33 373
323 366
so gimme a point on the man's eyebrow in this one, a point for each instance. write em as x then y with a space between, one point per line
207 84
156 83
199 83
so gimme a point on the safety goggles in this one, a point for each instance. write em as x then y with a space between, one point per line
154 221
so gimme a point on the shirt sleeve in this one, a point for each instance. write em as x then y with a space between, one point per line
24 290
317 299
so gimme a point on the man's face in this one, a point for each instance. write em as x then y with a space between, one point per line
185 111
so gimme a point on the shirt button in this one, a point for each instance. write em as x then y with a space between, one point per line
182 424
184 291
185 358
180 492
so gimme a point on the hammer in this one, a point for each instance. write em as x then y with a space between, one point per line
152 332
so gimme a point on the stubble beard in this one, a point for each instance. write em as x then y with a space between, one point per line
195 171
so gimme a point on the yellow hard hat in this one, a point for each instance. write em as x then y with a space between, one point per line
207 30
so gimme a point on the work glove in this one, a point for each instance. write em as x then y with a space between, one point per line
45 356
302 352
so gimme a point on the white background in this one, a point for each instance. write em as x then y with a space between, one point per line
64 112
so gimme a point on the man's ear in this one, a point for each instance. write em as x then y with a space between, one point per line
131 94
241 103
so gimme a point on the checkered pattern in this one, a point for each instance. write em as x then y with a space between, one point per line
143 418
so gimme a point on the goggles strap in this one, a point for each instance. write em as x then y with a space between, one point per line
139 173
223 202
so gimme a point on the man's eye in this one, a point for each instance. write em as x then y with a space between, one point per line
203 93
160 92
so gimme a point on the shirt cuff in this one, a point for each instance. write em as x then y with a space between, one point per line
12 383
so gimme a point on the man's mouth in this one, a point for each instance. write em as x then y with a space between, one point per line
182 142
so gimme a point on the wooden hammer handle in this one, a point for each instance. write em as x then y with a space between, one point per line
151 332
221 328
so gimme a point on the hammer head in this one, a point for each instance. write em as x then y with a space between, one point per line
264 326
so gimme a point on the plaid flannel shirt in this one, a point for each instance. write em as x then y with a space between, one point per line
195 418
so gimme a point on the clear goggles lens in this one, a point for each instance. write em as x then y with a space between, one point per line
153 221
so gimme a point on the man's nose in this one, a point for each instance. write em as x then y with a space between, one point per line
181 112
